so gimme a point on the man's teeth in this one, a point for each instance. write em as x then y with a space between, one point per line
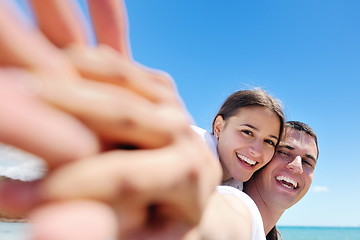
245 159
287 182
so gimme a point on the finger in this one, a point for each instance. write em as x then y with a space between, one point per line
174 175
18 50
164 223
116 182
106 65
20 198
107 178
74 220
60 221
110 23
60 21
131 217
157 227
9 210
164 79
102 64
116 114
30 124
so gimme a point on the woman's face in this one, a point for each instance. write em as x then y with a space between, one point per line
246 141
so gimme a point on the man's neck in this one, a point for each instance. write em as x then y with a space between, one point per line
270 215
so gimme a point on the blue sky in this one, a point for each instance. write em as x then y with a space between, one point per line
304 52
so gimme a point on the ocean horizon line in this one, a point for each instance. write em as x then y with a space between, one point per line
6 220
316 226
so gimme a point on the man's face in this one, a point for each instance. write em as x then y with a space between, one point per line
288 176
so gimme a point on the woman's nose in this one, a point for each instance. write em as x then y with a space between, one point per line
256 148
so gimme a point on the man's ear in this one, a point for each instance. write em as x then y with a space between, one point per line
218 126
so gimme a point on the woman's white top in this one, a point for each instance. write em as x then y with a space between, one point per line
257 223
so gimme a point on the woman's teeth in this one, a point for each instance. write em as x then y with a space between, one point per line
247 160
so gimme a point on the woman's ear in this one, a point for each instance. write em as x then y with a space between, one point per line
218 126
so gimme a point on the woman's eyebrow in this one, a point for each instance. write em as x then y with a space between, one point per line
250 126
272 136
255 128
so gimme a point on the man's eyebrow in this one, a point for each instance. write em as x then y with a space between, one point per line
292 148
311 157
255 128
287 146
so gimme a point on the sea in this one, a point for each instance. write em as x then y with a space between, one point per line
320 233
20 231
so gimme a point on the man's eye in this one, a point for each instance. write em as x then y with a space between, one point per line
283 153
307 162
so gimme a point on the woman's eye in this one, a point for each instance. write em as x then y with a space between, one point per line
247 132
270 142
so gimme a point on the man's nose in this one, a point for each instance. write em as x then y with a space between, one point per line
296 165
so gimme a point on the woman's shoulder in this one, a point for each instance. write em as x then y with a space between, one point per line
199 130
208 137
257 223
